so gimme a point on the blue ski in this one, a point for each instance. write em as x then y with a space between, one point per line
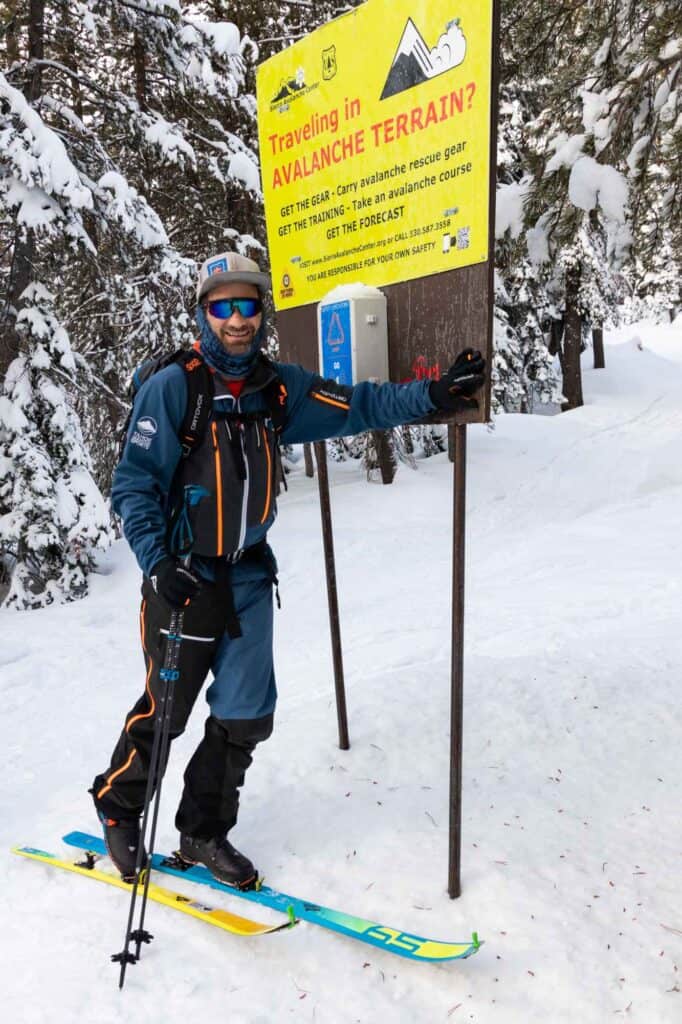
413 947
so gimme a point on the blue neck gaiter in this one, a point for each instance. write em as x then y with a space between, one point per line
216 355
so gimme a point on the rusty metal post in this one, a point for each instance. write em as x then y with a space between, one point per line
308 461
332 595
451 442
457 659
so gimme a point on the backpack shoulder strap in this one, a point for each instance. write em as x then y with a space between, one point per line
275 395
200 390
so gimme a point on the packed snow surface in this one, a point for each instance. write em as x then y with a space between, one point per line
572 854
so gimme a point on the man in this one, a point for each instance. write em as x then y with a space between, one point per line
213 506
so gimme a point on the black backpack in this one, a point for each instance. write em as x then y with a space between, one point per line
200 391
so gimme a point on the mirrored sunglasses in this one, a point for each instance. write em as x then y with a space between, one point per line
222 309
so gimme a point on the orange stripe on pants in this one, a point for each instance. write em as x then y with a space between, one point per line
119 771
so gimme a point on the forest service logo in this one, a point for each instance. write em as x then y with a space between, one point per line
329 66
415 62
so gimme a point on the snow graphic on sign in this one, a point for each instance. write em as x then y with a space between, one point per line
415 63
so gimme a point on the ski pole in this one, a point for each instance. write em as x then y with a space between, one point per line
174 641
168 675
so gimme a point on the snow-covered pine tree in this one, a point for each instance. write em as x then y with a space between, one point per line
172 116
649 107
522 370
578 197
507 391
655 279
122 131
611 118
52 515
276 24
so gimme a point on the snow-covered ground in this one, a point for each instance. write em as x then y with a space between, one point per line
572 851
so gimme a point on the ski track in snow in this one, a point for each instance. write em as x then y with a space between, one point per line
572 852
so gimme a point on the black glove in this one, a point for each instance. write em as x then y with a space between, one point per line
174 583
454 391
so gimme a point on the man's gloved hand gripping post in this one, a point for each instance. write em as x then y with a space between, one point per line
195 488
455 391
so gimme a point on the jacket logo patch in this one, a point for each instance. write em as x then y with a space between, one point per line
144 433
147 426
339 395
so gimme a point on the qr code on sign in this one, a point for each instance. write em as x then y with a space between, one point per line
463 240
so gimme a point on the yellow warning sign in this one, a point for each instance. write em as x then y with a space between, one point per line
375 147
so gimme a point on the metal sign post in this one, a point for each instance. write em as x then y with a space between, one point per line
332 593
457 661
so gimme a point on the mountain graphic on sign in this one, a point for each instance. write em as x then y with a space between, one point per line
415 62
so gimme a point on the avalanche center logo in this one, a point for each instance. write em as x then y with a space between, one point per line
415 62
147 426
289 88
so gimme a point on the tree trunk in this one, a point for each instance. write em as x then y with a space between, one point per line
598 345
383 442
408 443
569 353
140 59
71 61
11 33
21 270
556 335
36 49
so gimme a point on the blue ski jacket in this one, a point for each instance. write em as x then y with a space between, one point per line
315 410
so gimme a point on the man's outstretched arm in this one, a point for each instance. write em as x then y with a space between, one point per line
318 409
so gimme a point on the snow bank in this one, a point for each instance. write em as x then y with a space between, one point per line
571 748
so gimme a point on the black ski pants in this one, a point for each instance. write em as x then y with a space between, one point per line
210 799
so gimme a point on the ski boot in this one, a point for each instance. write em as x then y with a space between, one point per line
122 837
220 857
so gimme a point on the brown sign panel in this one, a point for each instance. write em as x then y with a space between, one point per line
430 321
